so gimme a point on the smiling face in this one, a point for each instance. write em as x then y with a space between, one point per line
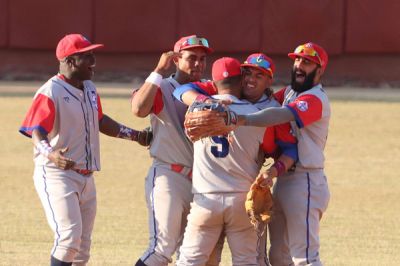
305 74
255 82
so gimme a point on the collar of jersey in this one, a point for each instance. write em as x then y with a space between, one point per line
69 86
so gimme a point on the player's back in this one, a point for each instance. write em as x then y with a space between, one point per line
228 163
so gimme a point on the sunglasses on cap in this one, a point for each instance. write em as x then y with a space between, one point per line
195 41
307 50
260 61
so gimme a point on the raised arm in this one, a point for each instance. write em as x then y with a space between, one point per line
143 98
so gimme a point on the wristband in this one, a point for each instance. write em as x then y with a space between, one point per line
201 98
280 167
154 78
44 147
127 133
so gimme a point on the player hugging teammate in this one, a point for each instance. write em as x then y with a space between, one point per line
301 195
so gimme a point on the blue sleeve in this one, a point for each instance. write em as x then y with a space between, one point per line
289 149
187 87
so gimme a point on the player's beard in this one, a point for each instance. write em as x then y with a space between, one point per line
308 82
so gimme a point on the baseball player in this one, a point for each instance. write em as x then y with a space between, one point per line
258 70
168 183
223 171
301 196
64 121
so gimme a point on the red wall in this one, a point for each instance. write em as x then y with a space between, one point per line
274 27
373 26
3 23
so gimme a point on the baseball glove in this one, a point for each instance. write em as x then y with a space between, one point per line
206 119
259 204
145 136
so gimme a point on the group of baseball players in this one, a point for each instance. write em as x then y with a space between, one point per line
195 191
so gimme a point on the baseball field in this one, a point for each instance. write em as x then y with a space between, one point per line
361 226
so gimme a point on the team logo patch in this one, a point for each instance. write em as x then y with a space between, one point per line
225 74
302 106
66 99
94 100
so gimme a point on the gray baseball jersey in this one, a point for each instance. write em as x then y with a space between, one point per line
70 118
312 113
221 166
170 143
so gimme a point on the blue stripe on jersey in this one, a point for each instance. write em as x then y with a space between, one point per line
87 148
307 217
187 87
87 128
289 149
154 218
52 212
296 116
25 130
242 103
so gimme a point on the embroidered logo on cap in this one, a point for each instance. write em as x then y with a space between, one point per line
225 74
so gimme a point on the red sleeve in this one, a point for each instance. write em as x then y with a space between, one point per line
100 108
158 103
269 146
280 95
307 109
282 133
40 116
277 140
207 87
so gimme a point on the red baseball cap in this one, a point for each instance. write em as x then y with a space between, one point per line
74 43
225 67
190 42
312 52
261 62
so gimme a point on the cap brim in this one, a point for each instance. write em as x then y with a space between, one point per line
313 59
207 49
257 67
90 48
82 50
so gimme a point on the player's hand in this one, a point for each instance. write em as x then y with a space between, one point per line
58 158
165 62
145 136
264 179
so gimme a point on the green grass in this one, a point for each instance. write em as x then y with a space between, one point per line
361 226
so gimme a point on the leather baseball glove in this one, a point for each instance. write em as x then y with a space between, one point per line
206 119
259 204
